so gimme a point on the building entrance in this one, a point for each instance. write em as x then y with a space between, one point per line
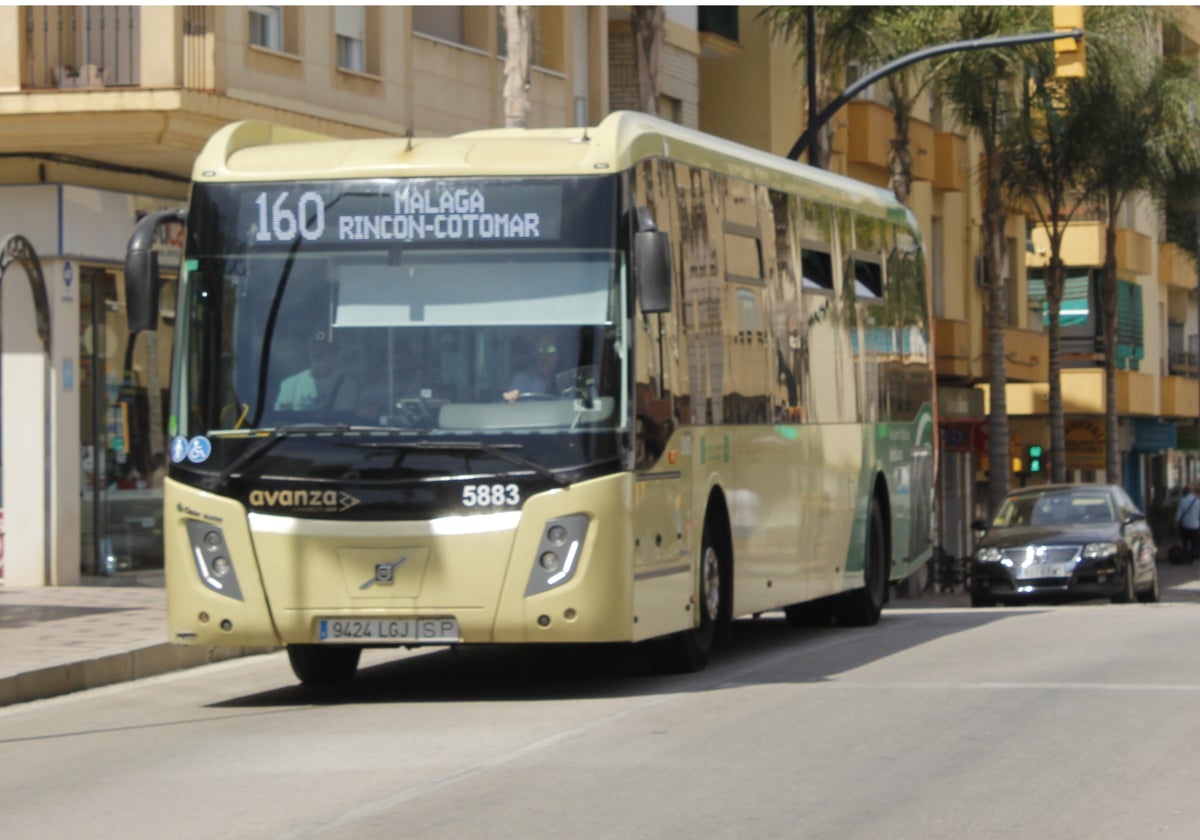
121 434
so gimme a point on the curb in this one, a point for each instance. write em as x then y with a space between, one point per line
109 669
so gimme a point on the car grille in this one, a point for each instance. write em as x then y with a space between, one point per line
1045 554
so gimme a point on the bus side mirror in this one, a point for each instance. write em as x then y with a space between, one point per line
142 282
652 264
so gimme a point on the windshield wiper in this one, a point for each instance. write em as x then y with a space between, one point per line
266 439
495 450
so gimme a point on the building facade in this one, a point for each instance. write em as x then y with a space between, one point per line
103 109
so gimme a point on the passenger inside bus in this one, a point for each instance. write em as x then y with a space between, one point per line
322 385
536 377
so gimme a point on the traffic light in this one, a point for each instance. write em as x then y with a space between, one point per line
1034 458
1069 57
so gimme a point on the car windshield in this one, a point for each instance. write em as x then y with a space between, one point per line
1063 507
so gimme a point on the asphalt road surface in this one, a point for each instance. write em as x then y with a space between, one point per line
1078 721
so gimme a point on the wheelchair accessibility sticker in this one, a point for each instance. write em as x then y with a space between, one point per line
195 450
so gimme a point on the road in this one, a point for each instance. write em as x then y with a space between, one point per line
1035 722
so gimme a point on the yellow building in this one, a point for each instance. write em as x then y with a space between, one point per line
754 91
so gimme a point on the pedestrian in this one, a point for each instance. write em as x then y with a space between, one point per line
1187 519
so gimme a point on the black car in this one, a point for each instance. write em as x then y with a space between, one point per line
1065 541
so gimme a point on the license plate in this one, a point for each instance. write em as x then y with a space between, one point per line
1056 570
425 631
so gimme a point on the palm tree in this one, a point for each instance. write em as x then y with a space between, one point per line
978 87
1045 174
1141 114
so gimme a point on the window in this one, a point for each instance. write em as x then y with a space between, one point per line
266 27
868 278
720 20
350 24
817 269
445 22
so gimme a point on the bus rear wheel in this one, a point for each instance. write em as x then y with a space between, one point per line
324 664
686 652
862 607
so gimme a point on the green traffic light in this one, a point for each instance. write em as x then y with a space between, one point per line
1035 459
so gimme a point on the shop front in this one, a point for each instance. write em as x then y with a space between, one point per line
106 395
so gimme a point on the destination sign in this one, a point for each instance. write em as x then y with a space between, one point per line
410 212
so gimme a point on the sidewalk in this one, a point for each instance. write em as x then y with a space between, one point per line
55 640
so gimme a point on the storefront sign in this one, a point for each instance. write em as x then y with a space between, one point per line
1153 436
1085 444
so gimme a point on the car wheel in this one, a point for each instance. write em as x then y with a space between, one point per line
1128 592
324 664
861 607
685 652
1151 594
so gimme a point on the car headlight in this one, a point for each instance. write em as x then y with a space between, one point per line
1092 551
988 554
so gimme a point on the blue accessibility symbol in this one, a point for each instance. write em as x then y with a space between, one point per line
199 448
179 449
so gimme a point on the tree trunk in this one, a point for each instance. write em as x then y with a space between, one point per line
900 162
1056 279
1108 307
647 23
997 320
518 32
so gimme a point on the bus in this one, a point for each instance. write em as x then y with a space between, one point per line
614 384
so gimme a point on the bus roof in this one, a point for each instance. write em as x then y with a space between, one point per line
260 151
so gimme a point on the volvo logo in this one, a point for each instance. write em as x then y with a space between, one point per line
385 573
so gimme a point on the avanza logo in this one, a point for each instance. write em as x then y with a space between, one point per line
327 501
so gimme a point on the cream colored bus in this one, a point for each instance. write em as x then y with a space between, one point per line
616 384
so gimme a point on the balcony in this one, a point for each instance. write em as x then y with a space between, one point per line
1180 396
1176 267
952 348
1083 244
1026 354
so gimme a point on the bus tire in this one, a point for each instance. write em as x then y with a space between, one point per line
861 607
688 651
324 664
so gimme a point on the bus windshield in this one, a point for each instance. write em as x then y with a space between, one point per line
443 308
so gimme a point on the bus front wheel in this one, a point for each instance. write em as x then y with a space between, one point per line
324 664
689 650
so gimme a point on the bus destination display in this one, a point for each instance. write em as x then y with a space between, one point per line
415 212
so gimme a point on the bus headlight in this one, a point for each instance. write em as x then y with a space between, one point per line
557 555
211 556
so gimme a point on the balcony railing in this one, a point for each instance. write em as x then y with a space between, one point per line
81 46
1181 363
92 47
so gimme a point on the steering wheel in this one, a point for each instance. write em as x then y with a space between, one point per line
414 411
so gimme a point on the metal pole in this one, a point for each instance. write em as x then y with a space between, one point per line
806 139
